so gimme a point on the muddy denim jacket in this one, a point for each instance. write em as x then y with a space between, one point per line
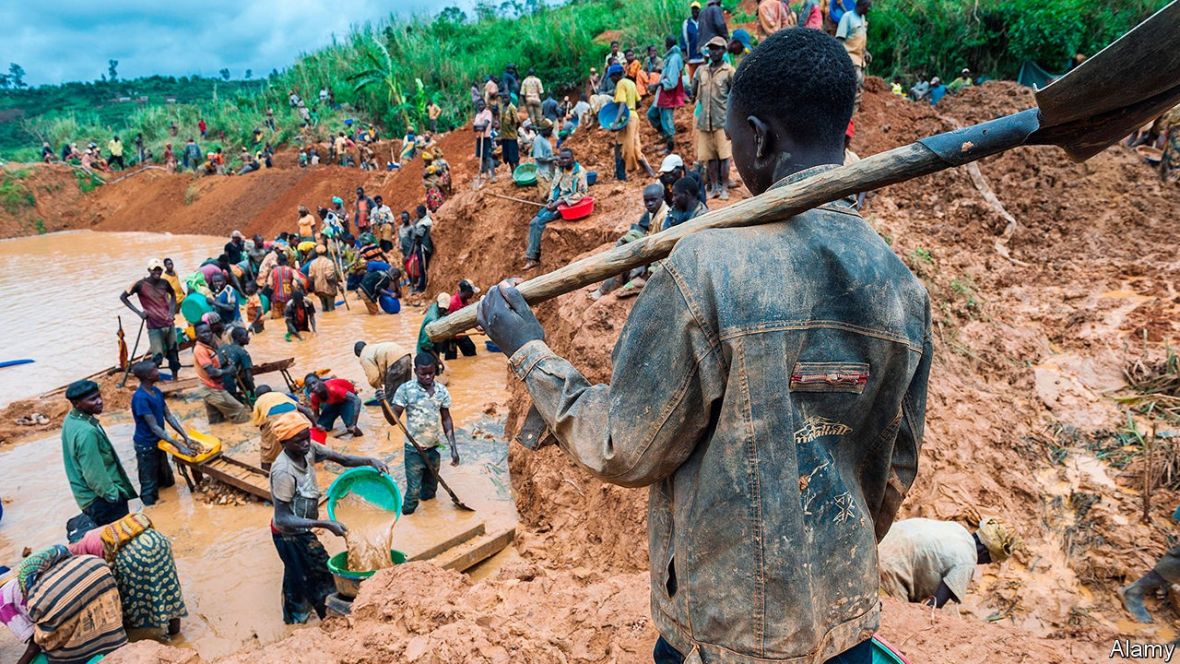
770 387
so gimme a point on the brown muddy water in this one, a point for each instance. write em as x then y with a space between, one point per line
62 313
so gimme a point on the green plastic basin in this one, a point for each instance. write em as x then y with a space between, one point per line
348 582
525 175
368 484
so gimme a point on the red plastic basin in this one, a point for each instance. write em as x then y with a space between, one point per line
579 210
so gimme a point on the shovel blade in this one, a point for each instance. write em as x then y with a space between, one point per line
1126 84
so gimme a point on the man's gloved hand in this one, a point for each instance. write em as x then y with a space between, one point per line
507 318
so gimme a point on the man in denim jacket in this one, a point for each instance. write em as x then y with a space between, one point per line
769 387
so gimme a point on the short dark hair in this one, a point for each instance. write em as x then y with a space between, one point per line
669 41
142 368
421 209
804 79
687 185
358 347
237 333
425 360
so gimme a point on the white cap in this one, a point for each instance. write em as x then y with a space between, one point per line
671 163
154 263
443 300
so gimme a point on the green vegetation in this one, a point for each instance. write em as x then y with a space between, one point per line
994 37
388 71
87 182
14 195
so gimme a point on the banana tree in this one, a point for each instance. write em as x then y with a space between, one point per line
379 76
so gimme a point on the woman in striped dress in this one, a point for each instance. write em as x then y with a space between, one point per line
145 572
73 604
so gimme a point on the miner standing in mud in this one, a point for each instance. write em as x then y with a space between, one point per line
769 386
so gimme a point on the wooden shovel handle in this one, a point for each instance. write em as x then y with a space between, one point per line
778 204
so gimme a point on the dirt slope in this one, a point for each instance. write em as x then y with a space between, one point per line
1030 339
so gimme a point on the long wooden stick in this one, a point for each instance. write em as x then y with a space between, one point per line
777 204
517 200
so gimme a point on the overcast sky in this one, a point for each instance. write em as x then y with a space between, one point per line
69 40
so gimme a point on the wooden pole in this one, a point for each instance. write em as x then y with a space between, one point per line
777 204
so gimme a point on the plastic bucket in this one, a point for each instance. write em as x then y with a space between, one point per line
348 582
390 305
579 210
525 175
370 485
616 111
885 653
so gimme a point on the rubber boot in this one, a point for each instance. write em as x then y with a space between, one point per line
1134 594
620 165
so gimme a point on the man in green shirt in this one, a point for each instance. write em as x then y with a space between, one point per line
99 483
433 312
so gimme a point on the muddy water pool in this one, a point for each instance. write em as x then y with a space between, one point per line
228 566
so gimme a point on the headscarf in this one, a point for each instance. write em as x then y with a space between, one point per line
288 425
31 569
106 541
998 538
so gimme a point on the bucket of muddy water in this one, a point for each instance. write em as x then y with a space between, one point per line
348 582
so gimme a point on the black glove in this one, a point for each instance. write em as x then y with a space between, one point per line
507 318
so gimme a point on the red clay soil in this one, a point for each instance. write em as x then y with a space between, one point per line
1030 338
58 202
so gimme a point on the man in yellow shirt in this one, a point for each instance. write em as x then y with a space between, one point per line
628 148
306 225
267 406
115 147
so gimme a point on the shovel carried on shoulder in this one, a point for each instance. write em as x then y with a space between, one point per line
1102 100
394 419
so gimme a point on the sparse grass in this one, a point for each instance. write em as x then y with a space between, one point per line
191 194
87 182
923 255
1155 387
965 287
39 226
14 195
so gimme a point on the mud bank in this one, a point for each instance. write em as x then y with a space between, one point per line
1034 323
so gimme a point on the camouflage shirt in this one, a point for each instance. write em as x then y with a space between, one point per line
422 411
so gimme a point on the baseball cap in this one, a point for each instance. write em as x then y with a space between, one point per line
154 263
443 300
671 163
694 3
236 234
717 41
614 69
468 286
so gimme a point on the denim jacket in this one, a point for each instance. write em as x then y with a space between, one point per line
770 388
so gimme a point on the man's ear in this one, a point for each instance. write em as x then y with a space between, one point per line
762 137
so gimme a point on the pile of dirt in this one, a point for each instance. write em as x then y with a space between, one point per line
421 613
56 200
55 407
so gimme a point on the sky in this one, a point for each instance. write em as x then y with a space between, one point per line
71 40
